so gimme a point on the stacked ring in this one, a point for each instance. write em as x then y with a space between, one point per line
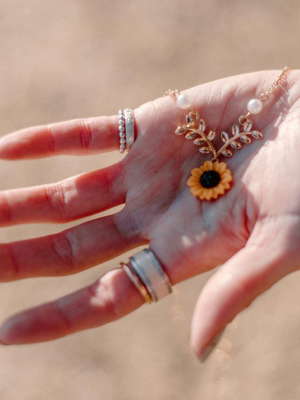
136 281
126 129
147 274
122 132
129 124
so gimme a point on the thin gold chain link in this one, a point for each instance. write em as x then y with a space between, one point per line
266 95
263 97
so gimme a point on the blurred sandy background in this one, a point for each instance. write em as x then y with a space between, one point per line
63 59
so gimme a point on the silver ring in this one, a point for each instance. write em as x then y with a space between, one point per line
122 135
136 281
129 127
150 272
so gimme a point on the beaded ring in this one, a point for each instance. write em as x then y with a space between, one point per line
213 178
122 135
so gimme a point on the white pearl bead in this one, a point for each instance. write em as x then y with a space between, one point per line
254 106
183 101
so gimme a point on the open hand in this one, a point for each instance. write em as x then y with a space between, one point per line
252 231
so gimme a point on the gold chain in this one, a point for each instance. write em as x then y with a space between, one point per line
263 97
266 95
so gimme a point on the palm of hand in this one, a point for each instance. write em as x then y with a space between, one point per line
248 230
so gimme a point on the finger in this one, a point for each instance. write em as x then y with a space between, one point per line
78 137
252 271
108 299
93 135
68 252
64 201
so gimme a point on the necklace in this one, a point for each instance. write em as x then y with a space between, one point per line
213 178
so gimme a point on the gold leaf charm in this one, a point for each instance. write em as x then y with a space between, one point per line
210 180
190 135
257 135
235 145
205 150
245 139
211 135
227 153
199 141
224 137
181 130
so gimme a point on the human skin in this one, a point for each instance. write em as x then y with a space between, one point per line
252 232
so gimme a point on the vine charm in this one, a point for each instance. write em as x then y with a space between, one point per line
213 178
210 180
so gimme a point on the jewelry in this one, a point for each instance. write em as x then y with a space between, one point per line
148 276
129 124
122 132
136 281
213 178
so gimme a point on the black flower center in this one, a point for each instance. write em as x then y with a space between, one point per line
210 179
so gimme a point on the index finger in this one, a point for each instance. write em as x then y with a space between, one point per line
76 137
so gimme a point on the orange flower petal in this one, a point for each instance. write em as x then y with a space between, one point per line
226 172
208 165
215 194
219 189
196 172
227 178
220 167
202 195
208 194
196 191
192 181
226 185
216 166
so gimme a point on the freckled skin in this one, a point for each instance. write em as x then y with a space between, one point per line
249 230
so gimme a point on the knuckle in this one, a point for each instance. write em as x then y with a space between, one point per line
57 199
62 247
110 189
149 110
103 296
5 209
64 315
85 133
10 265
51 141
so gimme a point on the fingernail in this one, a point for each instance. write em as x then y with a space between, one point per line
209 348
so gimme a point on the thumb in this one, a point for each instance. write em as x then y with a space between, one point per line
232 288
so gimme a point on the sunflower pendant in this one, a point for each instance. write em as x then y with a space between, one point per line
210 180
